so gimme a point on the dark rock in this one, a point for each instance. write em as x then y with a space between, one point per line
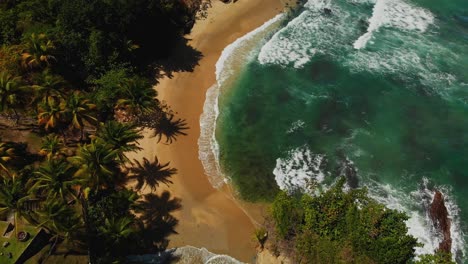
327 11
441 221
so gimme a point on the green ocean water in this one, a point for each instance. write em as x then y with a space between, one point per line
391 113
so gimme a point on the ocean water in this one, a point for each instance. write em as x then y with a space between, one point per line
375 90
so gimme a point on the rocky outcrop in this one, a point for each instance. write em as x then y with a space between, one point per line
440 218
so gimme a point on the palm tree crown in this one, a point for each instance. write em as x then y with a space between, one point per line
38 52
122 137
55 179
97 162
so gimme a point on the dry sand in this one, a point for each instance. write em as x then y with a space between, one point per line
209 218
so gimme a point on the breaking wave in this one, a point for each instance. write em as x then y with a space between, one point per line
232 57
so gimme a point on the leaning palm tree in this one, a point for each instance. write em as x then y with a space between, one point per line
98 164
122 137
151 173
80 110
51 113
52 147
11 90
55 180
7 153
139 96
38 52
15 199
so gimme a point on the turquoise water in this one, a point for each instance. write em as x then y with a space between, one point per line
376 91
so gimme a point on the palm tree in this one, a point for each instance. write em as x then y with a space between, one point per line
14 199
80 110
122 137
98 164
11 90
55 179
38 52
117 229
59 219
116 232
48 85
139 96
7 153
151 173
51 112
52 147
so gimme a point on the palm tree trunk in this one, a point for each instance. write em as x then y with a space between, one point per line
81 134
16 223
84 207
17 117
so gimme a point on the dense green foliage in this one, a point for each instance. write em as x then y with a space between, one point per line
84 71
342 227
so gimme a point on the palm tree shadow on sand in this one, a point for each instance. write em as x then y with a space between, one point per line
156 219
164 124
151 174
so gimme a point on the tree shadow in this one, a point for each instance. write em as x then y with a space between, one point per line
156 221
163 124
183 58
151 173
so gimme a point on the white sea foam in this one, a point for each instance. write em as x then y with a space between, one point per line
193 255
398 14
419 224
297 125
426 194
311 33
208 149
296 170
233 55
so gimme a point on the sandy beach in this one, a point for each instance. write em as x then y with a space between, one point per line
209 218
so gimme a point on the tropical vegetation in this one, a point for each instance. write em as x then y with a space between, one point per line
343 226
81 75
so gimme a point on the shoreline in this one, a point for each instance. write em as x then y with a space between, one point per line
209 217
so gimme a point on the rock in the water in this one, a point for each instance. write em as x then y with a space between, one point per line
440 218
327 11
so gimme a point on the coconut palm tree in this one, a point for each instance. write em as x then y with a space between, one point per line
98 164
47 85
139 96
115 235
151 173
15 200
51 113
7 153
11 91
122 137
59 219
52 147
80 110
55 180
38 51
117 229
